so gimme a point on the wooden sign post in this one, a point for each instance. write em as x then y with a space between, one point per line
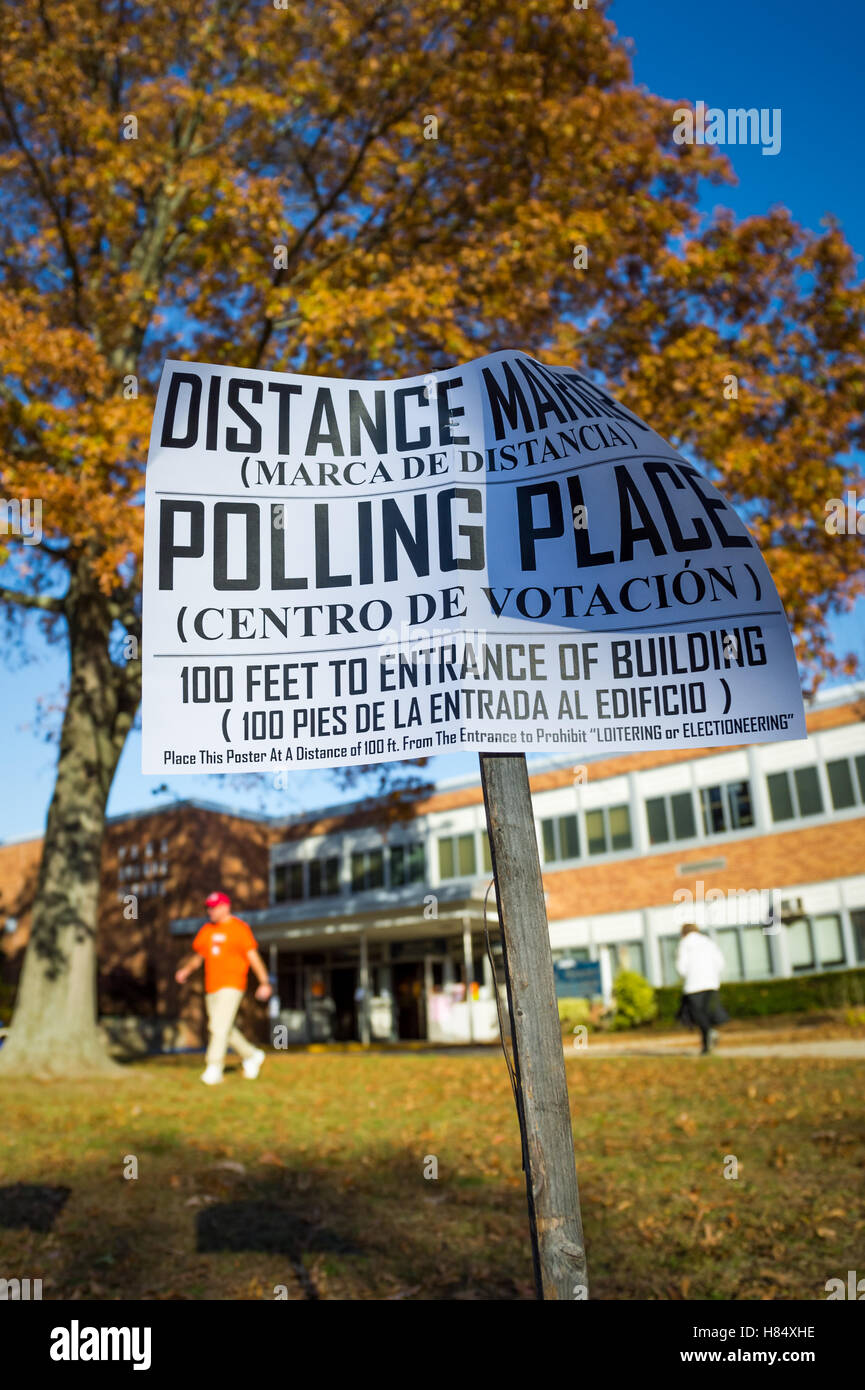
542 1095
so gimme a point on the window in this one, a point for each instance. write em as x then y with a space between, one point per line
670 818
726 807
620 827
841 784
746 952
794 793
800 944
816 943
857 920
628 955
830 944
608 828
728 940
847 781
669 946
407 864
808 792
457 857
756 952
780 797
288 883
580 954
560 838
324 877
367 870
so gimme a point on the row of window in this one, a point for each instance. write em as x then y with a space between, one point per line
131 851
153 889
151 869
721 809
813 943
372 868
608 828
798 793
718 810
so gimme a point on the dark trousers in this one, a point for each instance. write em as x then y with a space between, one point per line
702 1010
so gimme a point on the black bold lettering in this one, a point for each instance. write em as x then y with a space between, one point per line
169 550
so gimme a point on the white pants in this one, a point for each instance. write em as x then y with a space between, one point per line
222 1006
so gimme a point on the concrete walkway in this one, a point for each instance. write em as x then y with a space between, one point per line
833 1048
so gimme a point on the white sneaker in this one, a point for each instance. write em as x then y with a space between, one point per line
252 1065
212 1075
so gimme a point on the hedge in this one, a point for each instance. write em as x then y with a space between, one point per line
836 989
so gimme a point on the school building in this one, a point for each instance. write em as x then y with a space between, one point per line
374 925
378 933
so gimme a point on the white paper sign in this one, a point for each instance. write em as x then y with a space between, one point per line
496 558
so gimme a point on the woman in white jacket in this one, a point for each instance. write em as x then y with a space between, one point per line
700 963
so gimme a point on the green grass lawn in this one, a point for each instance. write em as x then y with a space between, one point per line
312 1178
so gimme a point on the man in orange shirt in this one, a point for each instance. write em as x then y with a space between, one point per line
228 948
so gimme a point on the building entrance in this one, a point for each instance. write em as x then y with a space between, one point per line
408 993
343 982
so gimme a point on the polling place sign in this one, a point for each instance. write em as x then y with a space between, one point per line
496 558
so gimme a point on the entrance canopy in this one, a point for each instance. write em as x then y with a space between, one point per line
392 915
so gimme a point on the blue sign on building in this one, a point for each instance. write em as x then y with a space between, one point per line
577 979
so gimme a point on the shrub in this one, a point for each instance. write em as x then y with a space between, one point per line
834 989
574 1011
633 1000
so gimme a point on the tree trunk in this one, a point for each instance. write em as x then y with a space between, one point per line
54 1028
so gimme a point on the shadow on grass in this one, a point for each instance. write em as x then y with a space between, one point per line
355 1227
270 1228
26 1206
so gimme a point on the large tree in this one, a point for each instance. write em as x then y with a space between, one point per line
359 187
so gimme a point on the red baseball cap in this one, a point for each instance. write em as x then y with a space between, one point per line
216 898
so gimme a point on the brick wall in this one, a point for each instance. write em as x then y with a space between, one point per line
137 954
766 861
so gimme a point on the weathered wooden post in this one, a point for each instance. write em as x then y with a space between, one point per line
542 1094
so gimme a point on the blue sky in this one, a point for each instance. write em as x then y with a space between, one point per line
792 54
